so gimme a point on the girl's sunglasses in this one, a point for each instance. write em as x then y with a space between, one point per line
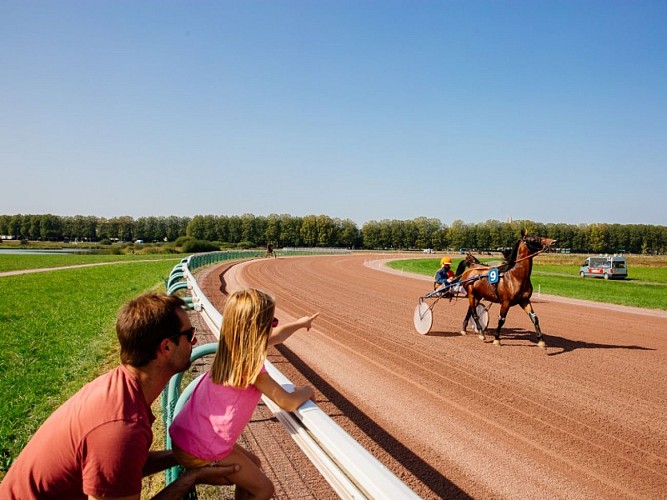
275 322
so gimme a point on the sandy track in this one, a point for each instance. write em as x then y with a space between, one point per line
454 416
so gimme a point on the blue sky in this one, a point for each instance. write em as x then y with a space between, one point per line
553 111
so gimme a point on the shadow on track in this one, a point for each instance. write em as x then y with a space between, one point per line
422 470
517 337
569 345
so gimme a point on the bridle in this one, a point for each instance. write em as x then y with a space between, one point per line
530 256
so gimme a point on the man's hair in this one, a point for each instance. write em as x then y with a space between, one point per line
143 323
246 326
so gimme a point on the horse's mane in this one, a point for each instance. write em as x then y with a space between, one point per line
509 260
510 256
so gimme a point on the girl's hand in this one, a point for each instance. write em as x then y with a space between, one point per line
282 332
288 401
307 321
305 392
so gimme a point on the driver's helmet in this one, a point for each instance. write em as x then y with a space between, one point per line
446 260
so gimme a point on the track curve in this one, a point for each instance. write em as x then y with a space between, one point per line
455 417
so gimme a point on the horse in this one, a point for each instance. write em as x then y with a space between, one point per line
513 287
269 251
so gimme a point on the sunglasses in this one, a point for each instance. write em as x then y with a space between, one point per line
275 322
189 334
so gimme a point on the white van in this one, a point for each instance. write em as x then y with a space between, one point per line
605 266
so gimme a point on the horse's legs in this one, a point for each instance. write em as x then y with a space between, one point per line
528 307
471 301
472 311
502 316
464 326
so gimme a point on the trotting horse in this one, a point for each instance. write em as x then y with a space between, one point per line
513 287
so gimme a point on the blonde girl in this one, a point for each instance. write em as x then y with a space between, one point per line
206 429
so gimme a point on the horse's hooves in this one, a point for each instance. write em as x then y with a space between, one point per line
463 332
481 337
496 342
542 344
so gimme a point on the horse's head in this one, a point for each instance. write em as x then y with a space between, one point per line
537 244
548 244
469 261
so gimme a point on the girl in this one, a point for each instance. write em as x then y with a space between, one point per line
206 429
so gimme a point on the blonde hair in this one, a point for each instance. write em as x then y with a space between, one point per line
246 324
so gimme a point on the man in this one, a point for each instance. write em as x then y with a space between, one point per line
445 275
96 445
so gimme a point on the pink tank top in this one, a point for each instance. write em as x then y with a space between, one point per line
213 418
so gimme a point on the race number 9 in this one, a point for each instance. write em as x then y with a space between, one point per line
494 276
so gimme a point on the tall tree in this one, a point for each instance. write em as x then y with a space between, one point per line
196 228
309 231
458 235
349 234
326 231
51 228
370 234
272 229
290 231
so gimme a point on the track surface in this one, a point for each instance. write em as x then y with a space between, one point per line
456 417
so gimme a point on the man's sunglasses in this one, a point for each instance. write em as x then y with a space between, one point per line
189 334
275 322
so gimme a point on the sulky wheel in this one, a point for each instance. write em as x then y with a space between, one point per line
483 316
423 318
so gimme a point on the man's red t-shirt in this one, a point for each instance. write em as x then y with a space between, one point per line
95 444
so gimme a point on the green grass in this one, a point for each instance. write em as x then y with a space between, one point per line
635 273
18 262
645 287
57 330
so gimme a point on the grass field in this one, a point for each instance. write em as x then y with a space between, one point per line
18 262
58 334
645 287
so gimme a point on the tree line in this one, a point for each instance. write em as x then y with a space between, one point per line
323 231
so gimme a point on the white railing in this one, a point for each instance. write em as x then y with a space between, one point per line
349 468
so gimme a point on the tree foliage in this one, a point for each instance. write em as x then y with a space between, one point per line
324 231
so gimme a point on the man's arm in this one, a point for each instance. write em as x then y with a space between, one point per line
158 461
212 474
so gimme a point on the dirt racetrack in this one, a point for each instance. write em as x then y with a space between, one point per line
456 417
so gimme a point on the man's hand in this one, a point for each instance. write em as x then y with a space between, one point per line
214 474
210 474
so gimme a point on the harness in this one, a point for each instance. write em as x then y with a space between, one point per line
443 289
